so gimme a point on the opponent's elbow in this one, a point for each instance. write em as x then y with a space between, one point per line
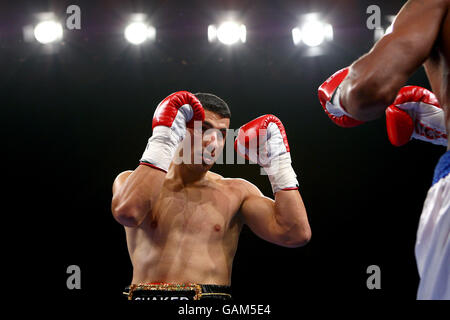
368 99
125 215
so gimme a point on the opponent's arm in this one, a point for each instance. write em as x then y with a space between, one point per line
375 79
135 193
283 221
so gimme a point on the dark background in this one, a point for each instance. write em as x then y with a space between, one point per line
75 119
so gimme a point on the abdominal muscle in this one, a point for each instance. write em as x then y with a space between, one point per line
182 258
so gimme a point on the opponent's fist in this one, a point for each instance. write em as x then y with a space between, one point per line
329 97
171 117
264 141
415 113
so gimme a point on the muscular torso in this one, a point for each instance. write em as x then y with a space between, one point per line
191 234
438 68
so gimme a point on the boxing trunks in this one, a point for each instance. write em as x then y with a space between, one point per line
432 242
177 292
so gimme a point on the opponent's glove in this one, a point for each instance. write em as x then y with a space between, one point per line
329 97
171 117
264 141
416 113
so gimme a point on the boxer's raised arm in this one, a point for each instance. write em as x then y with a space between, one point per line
374 79
283 221
135 193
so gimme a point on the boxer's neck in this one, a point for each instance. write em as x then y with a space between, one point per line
188 174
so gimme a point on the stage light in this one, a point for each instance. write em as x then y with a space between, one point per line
312 32
139 32
228 33
47 32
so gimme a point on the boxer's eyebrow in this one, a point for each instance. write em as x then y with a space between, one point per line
208 124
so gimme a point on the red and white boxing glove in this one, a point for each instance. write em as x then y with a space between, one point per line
171 117
264 141
416 113
329 97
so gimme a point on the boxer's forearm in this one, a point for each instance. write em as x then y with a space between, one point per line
375 78
368 89
135 198
290 214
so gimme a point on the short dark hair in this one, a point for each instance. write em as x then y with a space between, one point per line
213 103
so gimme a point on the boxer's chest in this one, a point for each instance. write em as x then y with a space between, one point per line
196 210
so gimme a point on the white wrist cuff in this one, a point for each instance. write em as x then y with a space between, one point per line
160 148
281 174
334 105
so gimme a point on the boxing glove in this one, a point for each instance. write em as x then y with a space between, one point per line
264 141
329 97
415 113
170 120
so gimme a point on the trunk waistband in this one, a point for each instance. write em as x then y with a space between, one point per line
442 168
162 291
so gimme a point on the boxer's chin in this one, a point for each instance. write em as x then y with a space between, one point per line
203 166
207 161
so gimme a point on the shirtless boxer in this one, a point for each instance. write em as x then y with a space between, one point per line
183 221
372 86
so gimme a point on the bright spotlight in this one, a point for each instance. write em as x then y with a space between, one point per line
312 32
48 31
139 32
228 33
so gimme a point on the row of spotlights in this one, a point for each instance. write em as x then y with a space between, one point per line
312 33
228 33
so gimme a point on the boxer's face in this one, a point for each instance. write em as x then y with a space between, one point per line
212 134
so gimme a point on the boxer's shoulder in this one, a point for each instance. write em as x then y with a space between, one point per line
241 186
430 2
445 4
214 176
